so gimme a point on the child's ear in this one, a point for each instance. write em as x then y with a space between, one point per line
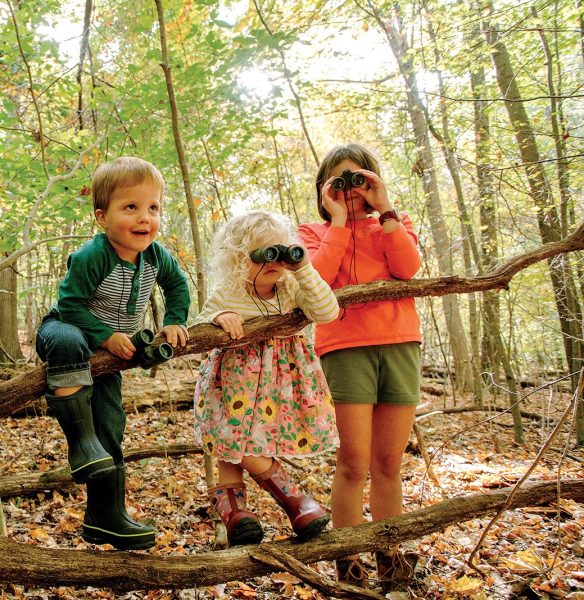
99 216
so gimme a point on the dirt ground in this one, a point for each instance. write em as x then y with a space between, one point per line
530 553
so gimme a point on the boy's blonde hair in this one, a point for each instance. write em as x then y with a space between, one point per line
124 171
353 152
238 237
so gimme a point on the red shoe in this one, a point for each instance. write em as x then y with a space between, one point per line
243 527
307 516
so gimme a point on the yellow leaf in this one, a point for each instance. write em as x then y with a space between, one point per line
166 538
529 557
39 534
465 584
85 159
524 561
197 202
215 216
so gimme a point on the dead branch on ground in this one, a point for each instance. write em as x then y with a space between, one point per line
31 565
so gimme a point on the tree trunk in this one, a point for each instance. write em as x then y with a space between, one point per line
9 345
580 13
82 52
471 256
564 287
124 571
488 220
495 352
195 232
181 158
458 340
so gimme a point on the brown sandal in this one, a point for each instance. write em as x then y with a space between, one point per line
351 570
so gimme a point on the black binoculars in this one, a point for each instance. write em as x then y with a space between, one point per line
278 252
147 354
348 180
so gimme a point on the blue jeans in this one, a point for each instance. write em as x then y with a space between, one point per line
65 349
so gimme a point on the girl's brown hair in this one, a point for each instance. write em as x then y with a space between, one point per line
353 152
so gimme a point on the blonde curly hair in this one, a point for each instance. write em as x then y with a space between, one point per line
238 237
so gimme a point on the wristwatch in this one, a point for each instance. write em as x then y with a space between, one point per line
389 214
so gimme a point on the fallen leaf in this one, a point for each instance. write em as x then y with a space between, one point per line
465 584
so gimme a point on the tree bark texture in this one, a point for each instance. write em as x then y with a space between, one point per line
9 344
31 565
17 392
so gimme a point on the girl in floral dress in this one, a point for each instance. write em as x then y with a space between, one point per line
255 401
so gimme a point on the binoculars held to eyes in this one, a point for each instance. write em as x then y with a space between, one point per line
348 180
277 252
147 354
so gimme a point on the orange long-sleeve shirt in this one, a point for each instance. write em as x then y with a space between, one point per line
369 254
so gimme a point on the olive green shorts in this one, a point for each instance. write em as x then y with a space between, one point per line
388 374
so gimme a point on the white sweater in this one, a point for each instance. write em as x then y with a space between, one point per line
306 290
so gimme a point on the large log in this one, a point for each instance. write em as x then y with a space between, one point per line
19 391
27 564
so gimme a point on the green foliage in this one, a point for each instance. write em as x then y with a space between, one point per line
240 121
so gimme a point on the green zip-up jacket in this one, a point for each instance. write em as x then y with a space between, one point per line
102 294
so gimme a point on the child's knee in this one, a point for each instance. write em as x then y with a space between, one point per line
62 344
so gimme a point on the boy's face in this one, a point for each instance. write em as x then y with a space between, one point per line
132 219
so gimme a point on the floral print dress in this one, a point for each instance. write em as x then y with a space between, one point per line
267 398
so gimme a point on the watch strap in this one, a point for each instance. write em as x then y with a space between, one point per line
389 214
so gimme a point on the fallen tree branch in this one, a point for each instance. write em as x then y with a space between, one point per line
282 561
495 411
31 483
27 564
19 391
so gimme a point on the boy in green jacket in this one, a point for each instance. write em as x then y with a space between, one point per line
102 301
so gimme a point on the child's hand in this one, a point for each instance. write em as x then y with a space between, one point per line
119 345
232 323
176 334
375 193
298 265
334 203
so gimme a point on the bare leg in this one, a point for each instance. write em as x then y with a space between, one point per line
229 473
353 458
392 425
66 391
256 465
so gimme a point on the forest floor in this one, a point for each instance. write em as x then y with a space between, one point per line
533 552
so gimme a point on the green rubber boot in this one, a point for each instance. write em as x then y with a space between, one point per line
106 519
87 458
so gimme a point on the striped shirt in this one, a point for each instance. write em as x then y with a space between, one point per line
102 294
305 290
115 292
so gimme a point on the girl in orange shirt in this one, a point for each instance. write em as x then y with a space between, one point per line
371 353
